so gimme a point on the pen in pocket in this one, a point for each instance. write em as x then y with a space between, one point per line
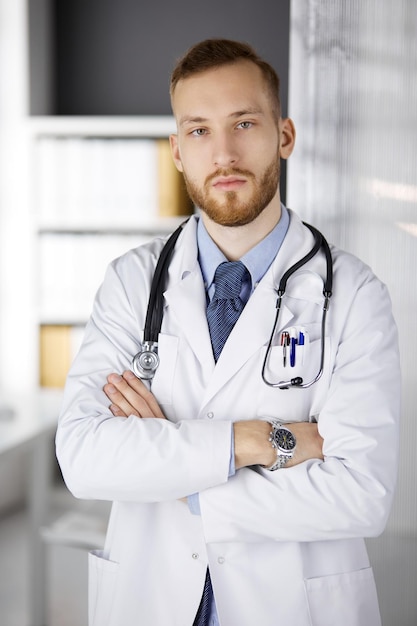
301 343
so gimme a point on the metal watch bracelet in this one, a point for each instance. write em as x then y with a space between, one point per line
283 456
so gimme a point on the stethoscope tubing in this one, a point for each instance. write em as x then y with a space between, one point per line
146 362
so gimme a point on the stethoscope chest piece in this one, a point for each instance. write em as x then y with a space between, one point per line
145 362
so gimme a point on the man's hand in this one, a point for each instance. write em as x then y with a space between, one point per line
253 448
129 396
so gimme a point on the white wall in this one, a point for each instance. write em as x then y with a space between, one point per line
353 97
17 339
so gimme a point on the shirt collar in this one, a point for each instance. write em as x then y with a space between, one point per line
257 260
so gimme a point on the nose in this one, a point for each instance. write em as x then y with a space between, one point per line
224 151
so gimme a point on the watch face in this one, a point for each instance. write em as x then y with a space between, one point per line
285 439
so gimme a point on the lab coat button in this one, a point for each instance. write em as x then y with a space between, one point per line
210 415
195 555
220 560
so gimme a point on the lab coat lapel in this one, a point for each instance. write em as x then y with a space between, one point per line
187 307
186 297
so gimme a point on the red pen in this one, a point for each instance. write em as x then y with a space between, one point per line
285 342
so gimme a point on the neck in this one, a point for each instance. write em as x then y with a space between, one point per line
236 241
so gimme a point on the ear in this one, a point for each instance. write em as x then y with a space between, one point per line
175 151
286 137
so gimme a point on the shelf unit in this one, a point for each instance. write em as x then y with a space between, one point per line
76 241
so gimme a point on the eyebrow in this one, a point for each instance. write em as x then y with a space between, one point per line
250 111
185 120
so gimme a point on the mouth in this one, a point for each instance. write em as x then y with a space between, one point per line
228 183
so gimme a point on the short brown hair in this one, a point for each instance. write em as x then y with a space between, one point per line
212 53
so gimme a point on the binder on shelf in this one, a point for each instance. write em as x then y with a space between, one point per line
58 345
96 180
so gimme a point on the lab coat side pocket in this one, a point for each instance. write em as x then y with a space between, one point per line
349 599
102 579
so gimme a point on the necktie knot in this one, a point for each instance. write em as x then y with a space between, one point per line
228 280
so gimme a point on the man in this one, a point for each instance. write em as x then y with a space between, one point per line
207 511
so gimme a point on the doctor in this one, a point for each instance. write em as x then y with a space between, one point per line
188 459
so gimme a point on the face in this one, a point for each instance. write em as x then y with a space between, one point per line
229 143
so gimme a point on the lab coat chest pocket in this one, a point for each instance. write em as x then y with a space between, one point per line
295 404
163 382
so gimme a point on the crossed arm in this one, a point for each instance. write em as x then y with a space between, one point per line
129 396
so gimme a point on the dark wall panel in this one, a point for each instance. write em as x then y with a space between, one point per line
115 58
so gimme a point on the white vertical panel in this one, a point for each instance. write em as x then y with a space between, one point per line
18 344
353 98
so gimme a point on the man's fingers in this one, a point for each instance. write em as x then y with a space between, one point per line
131 396
120 406
117 411
144 392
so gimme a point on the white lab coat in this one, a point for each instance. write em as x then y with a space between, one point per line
283 547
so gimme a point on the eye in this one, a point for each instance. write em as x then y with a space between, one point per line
245 125
198 132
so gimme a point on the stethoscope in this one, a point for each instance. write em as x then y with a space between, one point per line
319 242
146 362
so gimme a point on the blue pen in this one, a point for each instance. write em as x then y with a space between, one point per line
293 343
301 341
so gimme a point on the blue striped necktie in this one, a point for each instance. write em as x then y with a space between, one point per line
222 314
226 305
203 614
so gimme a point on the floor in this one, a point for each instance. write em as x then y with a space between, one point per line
67 599
13 564
66 565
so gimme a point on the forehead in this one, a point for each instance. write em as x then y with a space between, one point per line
229 88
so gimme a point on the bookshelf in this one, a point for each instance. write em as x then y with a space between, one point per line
99 186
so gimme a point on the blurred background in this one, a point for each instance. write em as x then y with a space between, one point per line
85 174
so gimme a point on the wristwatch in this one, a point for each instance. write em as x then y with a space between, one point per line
284 441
